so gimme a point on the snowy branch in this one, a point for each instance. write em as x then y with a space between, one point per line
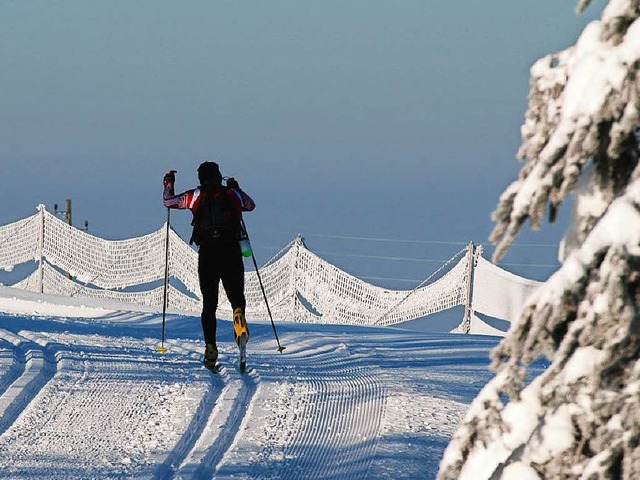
583 104
581 417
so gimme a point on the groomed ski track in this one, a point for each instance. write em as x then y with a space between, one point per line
92 398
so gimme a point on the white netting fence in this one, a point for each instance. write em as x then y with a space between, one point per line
20 242
498 293
299 285
104 263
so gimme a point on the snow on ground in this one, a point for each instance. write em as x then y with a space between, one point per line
84 394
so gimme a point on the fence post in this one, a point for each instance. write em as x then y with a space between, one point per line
41 249
297 245
466 322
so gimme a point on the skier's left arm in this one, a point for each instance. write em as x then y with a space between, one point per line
246 201
235 204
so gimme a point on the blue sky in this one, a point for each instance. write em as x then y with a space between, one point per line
368 118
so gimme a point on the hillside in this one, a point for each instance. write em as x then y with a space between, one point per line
84 394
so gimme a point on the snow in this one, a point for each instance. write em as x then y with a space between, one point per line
556 434
84 394
597 69
520 419
520 471
619 226
583 361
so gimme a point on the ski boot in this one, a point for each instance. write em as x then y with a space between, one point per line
241 333
211 356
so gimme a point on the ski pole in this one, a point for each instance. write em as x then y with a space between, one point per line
162 348
255 264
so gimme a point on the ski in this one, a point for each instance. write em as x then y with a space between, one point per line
243 355
217 368
241 333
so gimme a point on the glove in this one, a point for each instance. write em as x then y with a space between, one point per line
233 183
169 177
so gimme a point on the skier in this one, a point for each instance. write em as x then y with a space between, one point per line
217 227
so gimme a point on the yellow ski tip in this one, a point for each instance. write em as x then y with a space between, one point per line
162 349
280 349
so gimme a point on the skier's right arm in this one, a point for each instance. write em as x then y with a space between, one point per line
188 199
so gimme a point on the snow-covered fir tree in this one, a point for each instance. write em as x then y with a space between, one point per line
581 417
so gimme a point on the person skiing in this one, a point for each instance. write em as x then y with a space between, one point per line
217 227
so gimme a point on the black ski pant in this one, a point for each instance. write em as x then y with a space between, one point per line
219 263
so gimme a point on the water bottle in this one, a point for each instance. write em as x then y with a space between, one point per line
245 246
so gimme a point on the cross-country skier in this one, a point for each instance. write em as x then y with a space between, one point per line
217 227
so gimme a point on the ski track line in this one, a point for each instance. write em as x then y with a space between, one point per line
193 462
34 368
13 360
11 366
198 431
345 414
288 415
236 414
197 425
106 381
228 414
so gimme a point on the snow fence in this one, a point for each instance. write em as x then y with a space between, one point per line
300 286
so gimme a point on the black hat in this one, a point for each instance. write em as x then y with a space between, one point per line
209 172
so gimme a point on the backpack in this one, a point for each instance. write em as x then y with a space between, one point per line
213 222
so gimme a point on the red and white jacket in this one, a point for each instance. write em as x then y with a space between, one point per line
239 201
